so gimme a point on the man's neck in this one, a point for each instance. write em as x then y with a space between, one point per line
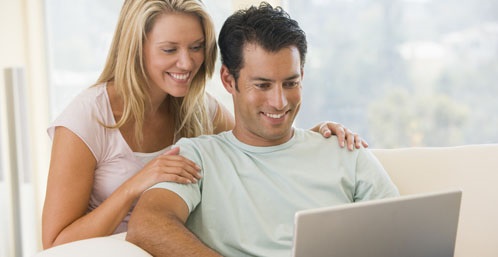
259 140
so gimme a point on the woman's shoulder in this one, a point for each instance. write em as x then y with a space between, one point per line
221 117
85 117
211 104
93 92
88 108
90 99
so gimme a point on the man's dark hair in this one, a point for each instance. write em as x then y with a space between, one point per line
269 27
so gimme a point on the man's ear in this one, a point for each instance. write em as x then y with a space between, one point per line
227 79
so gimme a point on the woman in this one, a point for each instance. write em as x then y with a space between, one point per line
111 143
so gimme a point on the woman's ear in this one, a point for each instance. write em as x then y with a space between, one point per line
227 79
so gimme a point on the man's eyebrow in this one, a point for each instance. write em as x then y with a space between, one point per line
293 77
261 79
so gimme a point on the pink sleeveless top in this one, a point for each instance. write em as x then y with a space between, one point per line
116 162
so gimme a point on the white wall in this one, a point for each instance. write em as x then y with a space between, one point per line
22 44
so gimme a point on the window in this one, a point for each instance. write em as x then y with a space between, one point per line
403 73
399 72
79 35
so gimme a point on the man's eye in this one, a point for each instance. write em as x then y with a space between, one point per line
263 85
291 84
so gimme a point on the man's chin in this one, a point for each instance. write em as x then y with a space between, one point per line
279 136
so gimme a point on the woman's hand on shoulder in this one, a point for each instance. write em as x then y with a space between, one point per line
344 135
169 166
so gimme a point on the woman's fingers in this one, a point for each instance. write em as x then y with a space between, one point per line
177 166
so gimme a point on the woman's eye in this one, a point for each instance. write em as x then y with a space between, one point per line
169 51
198 48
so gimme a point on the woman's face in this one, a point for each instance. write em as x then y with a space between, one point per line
174 52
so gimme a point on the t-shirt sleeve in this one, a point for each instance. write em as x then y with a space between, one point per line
372 180
190 193
82 117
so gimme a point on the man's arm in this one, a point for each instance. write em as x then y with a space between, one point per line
157 226
372 180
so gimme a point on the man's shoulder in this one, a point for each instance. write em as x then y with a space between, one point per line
204 147
203 140
310 136
315 141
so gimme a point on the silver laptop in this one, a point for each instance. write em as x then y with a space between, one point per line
420 225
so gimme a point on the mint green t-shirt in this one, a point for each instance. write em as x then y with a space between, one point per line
245 203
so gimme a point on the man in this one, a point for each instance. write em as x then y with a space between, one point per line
258 175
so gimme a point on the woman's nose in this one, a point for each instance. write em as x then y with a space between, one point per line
185 60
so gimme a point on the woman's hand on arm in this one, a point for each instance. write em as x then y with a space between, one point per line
70 183
168 166
344 135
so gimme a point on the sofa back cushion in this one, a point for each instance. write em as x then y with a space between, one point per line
472 168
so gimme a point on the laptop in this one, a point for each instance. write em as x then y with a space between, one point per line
419 225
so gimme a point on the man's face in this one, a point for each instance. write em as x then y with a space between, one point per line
268 96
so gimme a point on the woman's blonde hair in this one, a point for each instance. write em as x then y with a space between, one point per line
125 66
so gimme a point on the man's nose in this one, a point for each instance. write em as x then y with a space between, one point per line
277 98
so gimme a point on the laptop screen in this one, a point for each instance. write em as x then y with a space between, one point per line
412 225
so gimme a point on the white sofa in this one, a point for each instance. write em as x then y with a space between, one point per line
472 168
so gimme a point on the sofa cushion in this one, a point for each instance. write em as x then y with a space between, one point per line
96 247
472 168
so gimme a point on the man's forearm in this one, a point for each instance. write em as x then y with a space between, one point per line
169 237
159 228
